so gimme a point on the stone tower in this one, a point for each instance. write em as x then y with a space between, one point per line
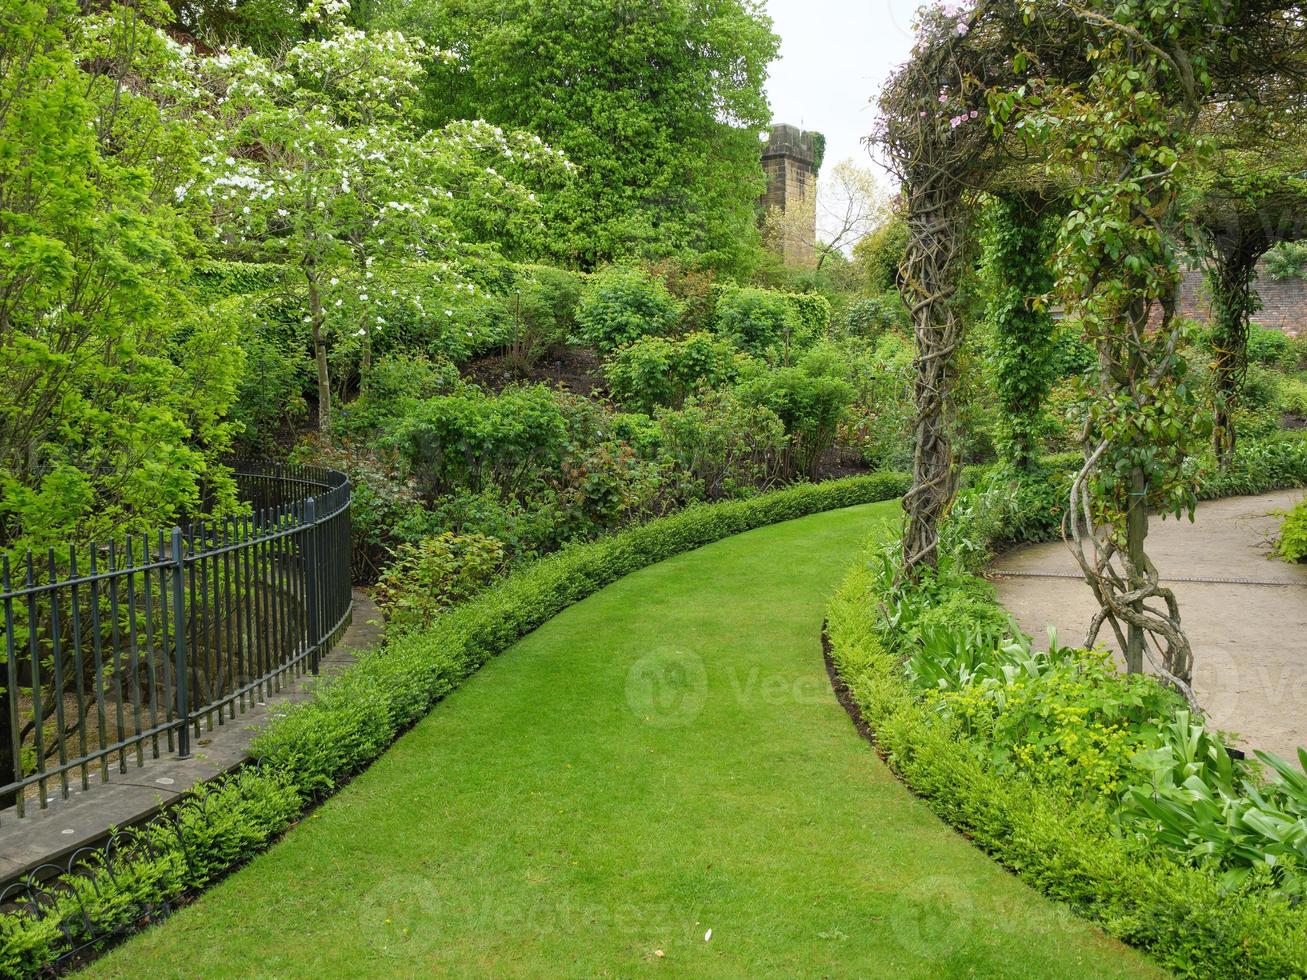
790 160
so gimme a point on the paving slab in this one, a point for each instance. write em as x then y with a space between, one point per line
48 837
1244 610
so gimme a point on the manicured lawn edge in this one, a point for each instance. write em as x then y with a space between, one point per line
1061 846
314 746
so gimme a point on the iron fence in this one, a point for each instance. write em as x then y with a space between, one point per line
116 652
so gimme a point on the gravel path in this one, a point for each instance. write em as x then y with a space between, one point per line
1248 630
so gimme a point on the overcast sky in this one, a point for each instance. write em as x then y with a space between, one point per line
834 56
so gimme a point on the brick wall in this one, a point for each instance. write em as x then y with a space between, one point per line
1284 302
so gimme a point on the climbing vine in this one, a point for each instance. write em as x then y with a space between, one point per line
934 137
1126 131
1017 242
1231 272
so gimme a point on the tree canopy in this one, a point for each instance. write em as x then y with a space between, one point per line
659 106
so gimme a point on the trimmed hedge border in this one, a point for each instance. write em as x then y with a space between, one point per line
312 747
1060 846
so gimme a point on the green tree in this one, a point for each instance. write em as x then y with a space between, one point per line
116 387
321 170
659 106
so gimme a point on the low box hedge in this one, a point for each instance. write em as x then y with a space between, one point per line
1062 845
315 745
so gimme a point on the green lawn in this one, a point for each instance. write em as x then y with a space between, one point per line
662 759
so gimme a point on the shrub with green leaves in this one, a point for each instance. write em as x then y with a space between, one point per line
811 313
1292 544
729 448
471 439
429 577
396 384
1287 260
539 314
385 508
759 321
659 372
809 401
871 316
619 305
1270 348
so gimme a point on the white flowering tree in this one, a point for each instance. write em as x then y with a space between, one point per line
316 165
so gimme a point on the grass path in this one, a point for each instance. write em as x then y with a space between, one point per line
662 759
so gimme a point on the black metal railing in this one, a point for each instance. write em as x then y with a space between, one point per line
115 653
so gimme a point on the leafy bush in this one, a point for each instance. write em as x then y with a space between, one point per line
1271 348
871 316
758 321
878 424
729 448
1293 395
270 399
385 509
216 280
539 314
311 747
811 313
606 487
396 384
655 371
1286 260
620 305
1292 545
639 431
694 288
429 577
809 402
1072 354
471 439
880 253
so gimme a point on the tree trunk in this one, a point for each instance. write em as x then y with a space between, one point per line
1136 523
320 357
936 233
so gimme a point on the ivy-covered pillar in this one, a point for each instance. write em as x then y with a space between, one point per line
1017 245
1231 270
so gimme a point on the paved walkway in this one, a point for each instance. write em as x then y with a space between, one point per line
1249 635
44 837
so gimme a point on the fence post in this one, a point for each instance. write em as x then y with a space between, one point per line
311 582
181 672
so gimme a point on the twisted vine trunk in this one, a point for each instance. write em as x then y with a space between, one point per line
1230 278
936 222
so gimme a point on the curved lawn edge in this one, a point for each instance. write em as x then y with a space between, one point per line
353 718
